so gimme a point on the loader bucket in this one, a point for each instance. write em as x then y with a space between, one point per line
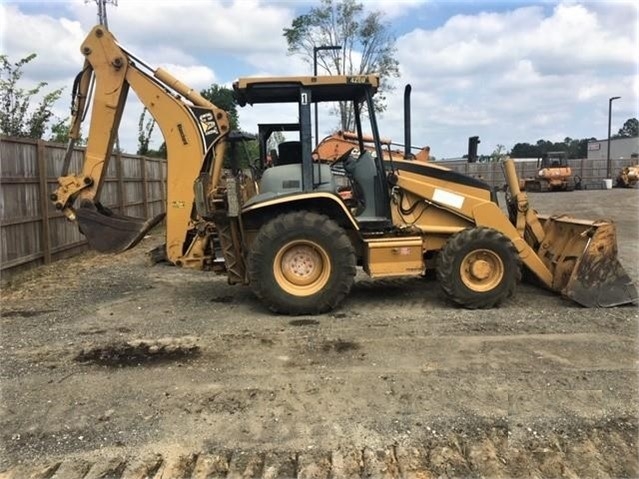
583 256
108 232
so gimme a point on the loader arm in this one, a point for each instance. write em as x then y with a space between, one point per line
476 210
575 257
195 133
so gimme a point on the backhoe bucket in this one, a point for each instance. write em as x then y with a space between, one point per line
108 232
583 256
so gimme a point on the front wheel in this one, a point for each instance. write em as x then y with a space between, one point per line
478 268
301 263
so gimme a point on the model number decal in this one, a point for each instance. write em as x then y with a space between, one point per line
447 198
358 79
182 134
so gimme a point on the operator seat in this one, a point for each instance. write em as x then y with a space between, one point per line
284 180
290 153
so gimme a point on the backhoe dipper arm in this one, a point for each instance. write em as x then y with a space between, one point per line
191 132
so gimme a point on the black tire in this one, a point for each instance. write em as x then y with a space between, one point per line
462 251
295 240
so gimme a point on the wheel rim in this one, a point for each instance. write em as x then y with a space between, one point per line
481 270
302 268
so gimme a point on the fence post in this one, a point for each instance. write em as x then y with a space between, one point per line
164 167
119 174
145 187
44 202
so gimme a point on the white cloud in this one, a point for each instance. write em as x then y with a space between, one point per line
197 76
511 75
196 27
393 9
571 38
55 41
519 75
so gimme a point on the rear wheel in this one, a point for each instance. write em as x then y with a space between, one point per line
478 268
301 263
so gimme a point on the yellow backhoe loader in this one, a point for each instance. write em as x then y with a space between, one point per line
553 174
287 233
628 177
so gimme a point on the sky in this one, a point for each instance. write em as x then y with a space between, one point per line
506 71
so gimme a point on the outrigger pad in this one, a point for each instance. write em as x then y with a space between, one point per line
598 279
108 232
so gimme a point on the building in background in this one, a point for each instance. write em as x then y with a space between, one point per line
620 148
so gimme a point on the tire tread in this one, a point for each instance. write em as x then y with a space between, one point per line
303 221
446 266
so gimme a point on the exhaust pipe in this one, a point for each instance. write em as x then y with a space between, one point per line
407 143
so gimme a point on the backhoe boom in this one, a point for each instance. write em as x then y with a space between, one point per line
194 134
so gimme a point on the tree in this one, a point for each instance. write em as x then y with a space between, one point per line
524 150
582 150
220 96
60 133
498 153
145 130
18 117
364 37
224 99
574 148
629 129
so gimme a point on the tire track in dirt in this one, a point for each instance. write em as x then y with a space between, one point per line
596 452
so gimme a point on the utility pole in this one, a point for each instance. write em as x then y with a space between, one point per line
315 50
102 20
102 13
610 100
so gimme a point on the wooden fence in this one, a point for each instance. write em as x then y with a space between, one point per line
32 231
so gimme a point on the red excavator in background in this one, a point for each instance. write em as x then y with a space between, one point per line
338 144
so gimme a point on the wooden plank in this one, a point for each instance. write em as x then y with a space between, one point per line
118 166
145 187
13 180
11 139
21 221
44 204
39 255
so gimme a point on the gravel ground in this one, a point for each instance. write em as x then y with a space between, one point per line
111 367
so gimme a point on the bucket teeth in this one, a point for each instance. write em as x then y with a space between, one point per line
598 279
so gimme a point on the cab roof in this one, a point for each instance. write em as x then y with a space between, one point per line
255 90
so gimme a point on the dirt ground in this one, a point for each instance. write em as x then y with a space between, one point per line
111 367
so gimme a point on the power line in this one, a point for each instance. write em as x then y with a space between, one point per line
102 11
102 20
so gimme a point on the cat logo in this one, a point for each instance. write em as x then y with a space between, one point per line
208 125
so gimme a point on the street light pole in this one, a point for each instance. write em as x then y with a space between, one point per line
315 50
608 172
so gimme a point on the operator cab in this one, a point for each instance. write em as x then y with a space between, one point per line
290 169
553 159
